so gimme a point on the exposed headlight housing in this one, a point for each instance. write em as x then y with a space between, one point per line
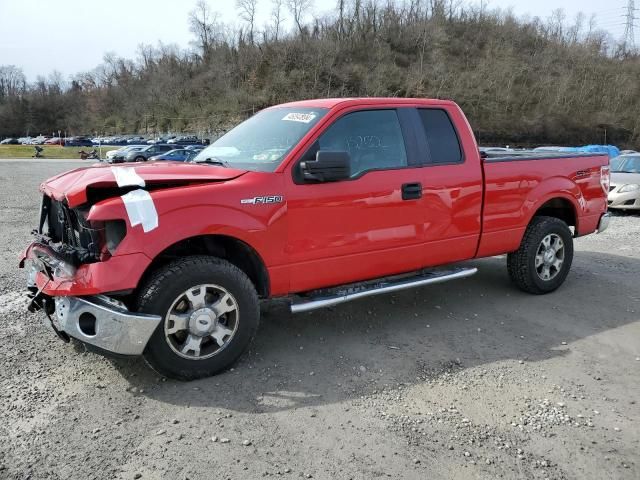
631 187
115 231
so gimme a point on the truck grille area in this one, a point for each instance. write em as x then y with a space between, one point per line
67 232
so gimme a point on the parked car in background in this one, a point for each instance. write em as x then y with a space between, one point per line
10 141
146 152
78 142
136 140
624 192
195 148
184 140
550 149
39 140
177 155
161 139
54 141
495 149
118 156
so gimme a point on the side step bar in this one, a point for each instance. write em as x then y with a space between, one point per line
353 292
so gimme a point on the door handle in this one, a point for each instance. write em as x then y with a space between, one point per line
411 191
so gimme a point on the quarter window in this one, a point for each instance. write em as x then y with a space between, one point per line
373 139
444 146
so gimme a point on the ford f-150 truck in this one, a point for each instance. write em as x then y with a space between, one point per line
315 202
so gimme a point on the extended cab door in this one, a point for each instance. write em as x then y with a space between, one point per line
452 184
368 226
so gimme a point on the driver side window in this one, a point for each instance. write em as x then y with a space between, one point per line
373 139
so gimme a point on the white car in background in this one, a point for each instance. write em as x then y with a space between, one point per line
624 191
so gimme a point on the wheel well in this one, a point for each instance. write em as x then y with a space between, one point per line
231 249
559 208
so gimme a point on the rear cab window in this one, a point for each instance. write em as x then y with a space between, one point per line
441 136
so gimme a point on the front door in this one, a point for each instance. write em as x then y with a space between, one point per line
368 226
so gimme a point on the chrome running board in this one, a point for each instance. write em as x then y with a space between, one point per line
367 289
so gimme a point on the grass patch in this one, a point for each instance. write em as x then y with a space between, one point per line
50 151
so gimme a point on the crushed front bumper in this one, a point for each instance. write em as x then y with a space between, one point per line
101 322
96 320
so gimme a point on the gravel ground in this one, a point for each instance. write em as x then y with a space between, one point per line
466 380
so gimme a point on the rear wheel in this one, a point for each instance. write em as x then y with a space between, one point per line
210 313
543 261
140 159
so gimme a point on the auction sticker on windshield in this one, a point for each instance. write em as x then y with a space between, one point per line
299 117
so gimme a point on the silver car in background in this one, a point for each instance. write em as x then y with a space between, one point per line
624 192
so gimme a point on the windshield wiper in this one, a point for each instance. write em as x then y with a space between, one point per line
214 161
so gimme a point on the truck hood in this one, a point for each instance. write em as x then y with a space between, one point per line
72 186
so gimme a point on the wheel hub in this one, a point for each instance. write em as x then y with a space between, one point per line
202 322
549 256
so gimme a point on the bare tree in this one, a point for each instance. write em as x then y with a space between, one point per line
12 81
247 10
145 55
276 17
298 9
202 23
341 8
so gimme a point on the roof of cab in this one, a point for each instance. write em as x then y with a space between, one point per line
349 102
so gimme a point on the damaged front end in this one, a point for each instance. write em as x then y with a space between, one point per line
63 261
63 241
68 233
90 248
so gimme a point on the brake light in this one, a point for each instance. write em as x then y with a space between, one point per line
605 179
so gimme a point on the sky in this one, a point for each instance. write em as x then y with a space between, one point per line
72 36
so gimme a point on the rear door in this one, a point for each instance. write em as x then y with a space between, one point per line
452 185
368 226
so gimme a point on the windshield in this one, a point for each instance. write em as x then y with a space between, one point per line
626 164
261 142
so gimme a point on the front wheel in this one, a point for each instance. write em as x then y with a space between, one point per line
210 313
543 261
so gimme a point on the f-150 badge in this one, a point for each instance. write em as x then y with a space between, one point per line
262 200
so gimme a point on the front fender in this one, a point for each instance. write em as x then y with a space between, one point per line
262 227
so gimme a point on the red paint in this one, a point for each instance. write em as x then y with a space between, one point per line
334 233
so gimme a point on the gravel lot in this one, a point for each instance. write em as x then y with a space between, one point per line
465 380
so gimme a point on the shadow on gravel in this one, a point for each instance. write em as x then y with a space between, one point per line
339 354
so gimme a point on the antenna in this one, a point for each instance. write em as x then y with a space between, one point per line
629 34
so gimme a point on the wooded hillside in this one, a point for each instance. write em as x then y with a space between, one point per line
520 81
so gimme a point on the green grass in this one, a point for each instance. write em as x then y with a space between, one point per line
50 151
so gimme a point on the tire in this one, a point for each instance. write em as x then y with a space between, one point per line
159 295
140 159
521 264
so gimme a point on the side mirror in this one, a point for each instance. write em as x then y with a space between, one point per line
327 167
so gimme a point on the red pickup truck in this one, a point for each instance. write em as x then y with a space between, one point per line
318 202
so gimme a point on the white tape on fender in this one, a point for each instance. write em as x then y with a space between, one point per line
141 209
127 177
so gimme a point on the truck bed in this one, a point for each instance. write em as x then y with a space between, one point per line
517 184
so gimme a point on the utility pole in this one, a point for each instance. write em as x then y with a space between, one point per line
629 34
